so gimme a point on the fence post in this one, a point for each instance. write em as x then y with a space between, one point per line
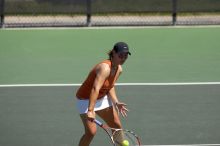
2 4
89 12
174 11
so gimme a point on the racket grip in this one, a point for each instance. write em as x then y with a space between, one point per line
98 122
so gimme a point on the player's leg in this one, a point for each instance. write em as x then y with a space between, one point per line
110 116
90 131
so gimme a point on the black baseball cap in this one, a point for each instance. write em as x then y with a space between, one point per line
121 47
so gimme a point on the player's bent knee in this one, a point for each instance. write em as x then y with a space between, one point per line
90 133
117 124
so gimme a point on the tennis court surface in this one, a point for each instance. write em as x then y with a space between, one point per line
159 114
41 70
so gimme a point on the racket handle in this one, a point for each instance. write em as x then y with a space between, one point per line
98 122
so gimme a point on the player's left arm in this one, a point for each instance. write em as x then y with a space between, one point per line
121 107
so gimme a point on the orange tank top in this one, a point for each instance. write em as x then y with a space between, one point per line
85 89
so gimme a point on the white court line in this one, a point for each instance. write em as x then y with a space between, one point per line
181 83
39 85
117 84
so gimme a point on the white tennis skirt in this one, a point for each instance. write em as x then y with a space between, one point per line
102 103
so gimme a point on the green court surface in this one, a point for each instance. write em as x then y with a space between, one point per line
66 55
161 114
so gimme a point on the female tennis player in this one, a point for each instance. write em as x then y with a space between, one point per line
97 93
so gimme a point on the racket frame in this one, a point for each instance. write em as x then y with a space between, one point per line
111 134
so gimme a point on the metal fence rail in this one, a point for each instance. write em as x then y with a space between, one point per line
35 13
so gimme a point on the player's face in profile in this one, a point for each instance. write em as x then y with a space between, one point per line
122 57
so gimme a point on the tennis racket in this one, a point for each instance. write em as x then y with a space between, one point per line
118 136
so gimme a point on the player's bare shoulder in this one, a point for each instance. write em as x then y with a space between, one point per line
103 68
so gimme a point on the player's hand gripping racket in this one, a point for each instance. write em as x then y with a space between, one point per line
120 137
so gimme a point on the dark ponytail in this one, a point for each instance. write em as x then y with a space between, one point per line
110 54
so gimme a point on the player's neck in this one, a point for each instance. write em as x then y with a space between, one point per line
114 65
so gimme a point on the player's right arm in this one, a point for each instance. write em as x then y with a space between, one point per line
102 72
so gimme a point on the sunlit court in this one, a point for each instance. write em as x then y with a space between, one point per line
170 82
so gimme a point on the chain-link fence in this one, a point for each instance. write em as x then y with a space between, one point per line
26 13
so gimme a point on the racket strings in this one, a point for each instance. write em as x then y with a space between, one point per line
121 135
